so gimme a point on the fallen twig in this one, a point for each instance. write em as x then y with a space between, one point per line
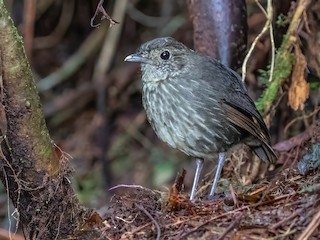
151 218
233 225
311 227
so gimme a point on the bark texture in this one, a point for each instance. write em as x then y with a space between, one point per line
35 174
220 29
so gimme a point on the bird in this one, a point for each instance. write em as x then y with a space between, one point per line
197 105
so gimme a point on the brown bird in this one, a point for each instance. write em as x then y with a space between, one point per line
197 105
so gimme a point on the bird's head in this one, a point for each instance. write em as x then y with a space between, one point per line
161 59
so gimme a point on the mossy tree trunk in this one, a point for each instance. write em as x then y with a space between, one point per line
34 174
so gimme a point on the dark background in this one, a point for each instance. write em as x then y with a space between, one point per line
99 121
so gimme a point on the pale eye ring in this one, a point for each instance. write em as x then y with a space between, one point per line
165 55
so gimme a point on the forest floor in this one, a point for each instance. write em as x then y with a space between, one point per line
286 207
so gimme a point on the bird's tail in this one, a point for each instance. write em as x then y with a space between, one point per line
265 152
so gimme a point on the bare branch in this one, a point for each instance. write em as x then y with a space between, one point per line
105 15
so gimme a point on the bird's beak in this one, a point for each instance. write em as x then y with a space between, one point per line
136 57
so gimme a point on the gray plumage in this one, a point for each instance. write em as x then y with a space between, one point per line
197 105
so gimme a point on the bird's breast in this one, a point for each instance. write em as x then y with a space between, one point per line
185 120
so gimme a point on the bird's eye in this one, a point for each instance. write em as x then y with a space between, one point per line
165 55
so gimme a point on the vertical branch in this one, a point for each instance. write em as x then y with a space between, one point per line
220 29
267 26
28 26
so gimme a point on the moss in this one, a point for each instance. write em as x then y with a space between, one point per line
283 67
26 125
283 63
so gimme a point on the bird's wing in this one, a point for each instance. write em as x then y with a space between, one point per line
240 116
241 110
251 121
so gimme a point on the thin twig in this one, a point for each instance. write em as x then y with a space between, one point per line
233 225
8 201
273 48
311 227
59 225
315 111
234 197
110 43
105 15
102 66
138 229
268 25
287 145
292 216
195 229
238 210
151 218
132 186
29 16
127 186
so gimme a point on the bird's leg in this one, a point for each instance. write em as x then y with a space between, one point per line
217 176
199 166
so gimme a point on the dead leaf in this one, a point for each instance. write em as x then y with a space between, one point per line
299 89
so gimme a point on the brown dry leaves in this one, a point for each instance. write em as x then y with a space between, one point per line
299 89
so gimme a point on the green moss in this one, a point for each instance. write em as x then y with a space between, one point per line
282 70
314 85
282 20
